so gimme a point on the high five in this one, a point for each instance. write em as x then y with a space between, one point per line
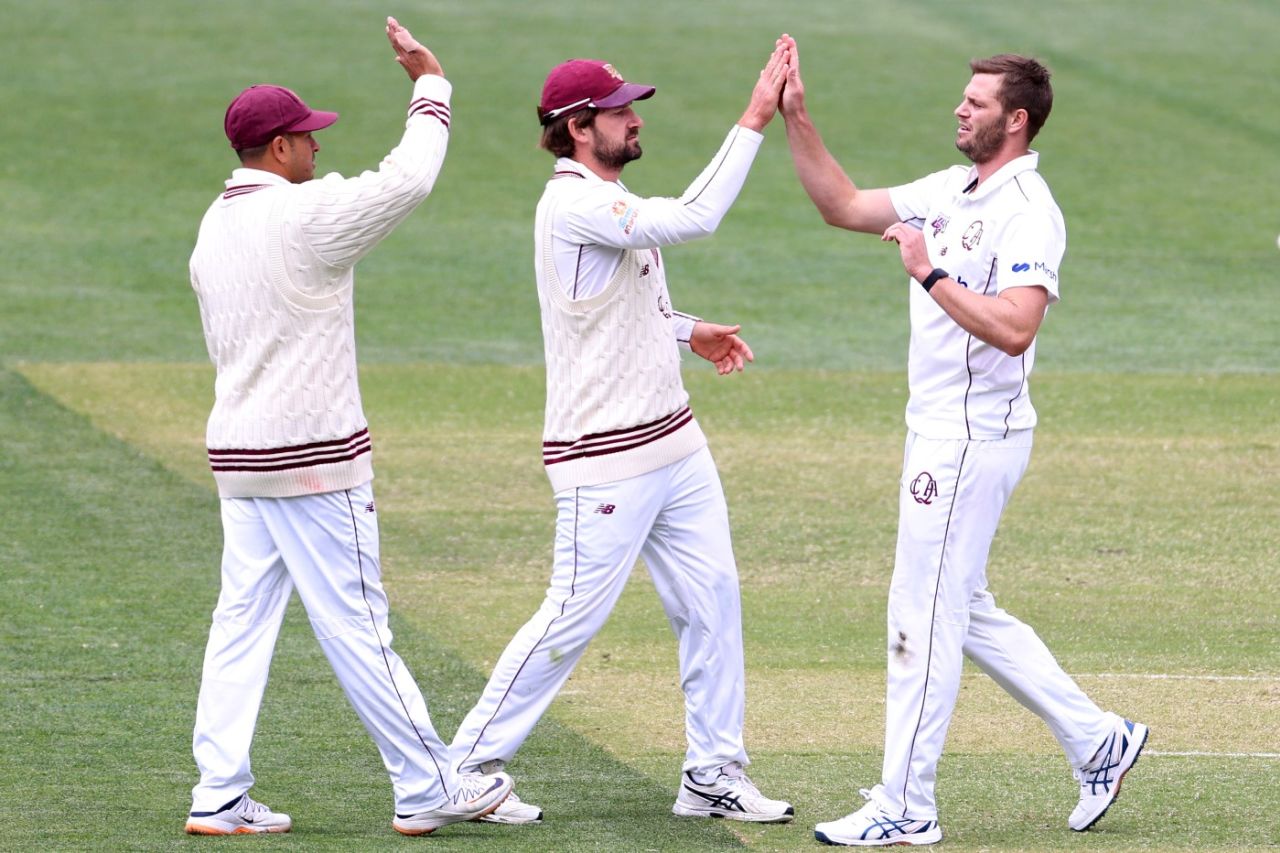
982 245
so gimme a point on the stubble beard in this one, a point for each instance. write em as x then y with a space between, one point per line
616 156
984 142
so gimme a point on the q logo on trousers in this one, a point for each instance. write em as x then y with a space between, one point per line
923 488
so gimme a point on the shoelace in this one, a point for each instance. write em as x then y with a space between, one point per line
472 785
733 776
248 805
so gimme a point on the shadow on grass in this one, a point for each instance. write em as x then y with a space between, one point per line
111 574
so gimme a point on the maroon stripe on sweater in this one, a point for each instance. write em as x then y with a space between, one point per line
617 441
294 448
298 463
243 189
637 428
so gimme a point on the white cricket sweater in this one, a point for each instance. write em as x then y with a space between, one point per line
273 271
616 404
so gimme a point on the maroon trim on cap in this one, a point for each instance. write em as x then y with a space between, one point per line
318 120
586 83
261 113
625 94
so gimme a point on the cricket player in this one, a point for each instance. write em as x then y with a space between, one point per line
982 245
627 461
290 449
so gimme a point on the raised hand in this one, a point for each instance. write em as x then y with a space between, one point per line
793 93
412 55
768 89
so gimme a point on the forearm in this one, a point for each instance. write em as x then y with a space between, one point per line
699 210
1008 322
830 188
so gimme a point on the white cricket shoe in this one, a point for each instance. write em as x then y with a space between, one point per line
476 797
1100 779
870 826
241 816
513 809
731 796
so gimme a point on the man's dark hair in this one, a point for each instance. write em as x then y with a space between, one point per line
556 137
1025 85
249 155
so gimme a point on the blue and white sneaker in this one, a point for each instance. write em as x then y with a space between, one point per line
870 826
1100 779
732 796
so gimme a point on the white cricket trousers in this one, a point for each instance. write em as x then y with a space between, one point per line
677 520
952 495
326 546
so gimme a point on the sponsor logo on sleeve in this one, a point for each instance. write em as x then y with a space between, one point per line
1051 273
1039 267
625 215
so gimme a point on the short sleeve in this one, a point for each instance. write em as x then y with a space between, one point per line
1030 251
912 201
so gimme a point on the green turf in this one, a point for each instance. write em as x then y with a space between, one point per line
1142 543
1158 150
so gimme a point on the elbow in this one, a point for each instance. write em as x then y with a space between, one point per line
831 218
841 217
699 228
1018 344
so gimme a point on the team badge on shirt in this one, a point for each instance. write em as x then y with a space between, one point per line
664 306
972 235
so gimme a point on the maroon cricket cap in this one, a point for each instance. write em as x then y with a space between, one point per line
261 113
586 83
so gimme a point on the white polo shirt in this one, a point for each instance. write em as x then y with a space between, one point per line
1007 232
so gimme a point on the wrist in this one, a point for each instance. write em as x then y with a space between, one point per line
936 275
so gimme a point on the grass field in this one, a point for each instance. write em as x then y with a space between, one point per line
1142 543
